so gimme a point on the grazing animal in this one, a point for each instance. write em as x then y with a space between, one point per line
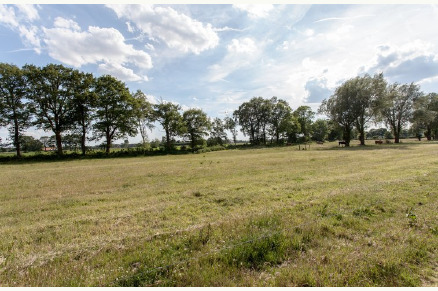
378 141
342 142
319 142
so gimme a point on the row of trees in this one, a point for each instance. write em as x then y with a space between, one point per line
72 104
365 99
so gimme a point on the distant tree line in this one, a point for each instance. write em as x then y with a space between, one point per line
365 99
78 107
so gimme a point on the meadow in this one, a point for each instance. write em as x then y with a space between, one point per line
326 216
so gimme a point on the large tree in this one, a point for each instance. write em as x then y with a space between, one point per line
338 108
115 115
197 125
396 106
366 91
84 102
253 117
14 111
51 95
144 114
305 115
168 115
279 118
320 130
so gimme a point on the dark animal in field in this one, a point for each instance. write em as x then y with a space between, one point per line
378 141
342 142
319 142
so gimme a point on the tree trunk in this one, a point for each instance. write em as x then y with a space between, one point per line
397 131
396 137
167 140
17 138
193 143
84 149
108 143
428 133
362 135
347 135
58 143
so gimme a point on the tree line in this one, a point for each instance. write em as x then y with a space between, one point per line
365 99
76 105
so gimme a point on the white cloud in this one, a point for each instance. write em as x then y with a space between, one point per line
7 16
129 26
255 10
29 11
105 46
30 36
120 72
165 24
66 23
241 53
19 18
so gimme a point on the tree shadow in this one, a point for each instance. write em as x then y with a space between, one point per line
399 146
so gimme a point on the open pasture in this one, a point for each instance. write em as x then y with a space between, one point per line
328 216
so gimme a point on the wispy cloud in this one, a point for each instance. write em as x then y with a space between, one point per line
342 18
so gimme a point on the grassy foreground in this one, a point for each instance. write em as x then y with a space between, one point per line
328 216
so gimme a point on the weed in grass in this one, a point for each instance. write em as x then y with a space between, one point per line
363 212
412 218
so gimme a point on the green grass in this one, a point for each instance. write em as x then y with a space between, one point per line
328 216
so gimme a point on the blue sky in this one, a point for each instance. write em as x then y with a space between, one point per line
216 57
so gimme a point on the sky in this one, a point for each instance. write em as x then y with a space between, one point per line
215 57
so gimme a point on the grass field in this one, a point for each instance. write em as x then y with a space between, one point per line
328 216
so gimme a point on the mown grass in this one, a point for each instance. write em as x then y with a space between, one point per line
328 216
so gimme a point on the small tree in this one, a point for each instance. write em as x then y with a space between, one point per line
115 115
231 125
31 144
144 114
197 125
304 115
167 114
425 115
218 135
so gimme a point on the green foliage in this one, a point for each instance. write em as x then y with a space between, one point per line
30 144
168 115
197 124
14 111
412 218
51 94
320 130
144 114
231 124
396 106
305 115
115 115
354 103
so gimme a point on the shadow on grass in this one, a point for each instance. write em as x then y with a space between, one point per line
400 146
